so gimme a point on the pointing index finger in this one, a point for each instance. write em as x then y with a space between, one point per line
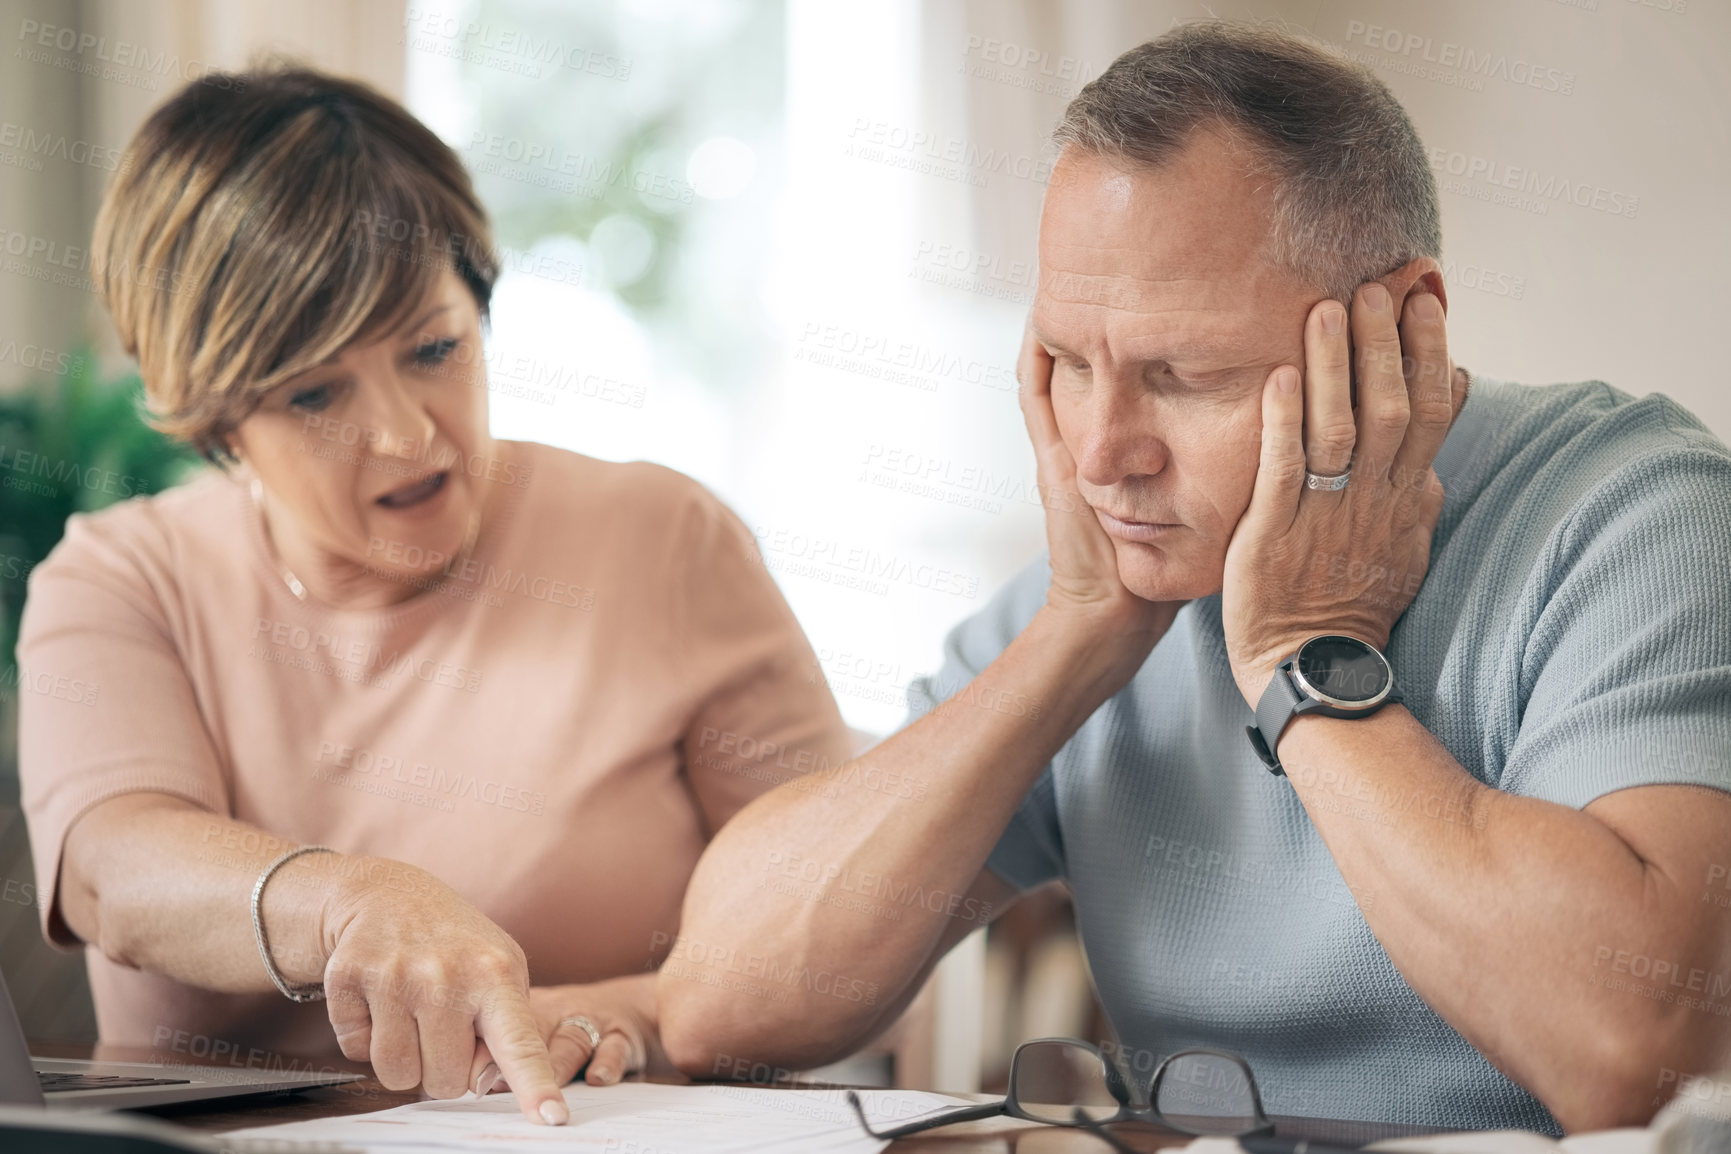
508 1027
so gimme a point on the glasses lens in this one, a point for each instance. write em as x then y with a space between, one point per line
1051 1079
1207 1094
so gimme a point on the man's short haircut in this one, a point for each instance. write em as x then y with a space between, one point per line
261 221
1353 193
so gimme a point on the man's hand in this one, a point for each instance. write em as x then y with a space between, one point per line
1084 563
1305 561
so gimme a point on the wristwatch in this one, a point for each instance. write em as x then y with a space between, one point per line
1334 675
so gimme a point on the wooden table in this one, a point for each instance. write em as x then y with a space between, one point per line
994 1136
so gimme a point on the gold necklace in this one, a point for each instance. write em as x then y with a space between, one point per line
256 487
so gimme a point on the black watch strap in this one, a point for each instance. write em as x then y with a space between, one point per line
1273 712
1283 700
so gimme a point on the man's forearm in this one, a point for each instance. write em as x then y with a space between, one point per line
799 931
1495 909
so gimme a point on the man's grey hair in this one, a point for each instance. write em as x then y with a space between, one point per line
1353 193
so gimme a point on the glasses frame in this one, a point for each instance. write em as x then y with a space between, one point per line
1008 1106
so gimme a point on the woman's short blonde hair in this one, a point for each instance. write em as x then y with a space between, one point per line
263 220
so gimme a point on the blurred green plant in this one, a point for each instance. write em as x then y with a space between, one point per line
70 448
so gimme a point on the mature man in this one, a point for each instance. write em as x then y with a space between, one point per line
1485 903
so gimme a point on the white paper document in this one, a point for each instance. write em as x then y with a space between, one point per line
1627 1141
1482 1142
630 1118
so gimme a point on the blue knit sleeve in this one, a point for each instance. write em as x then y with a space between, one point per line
1030 850
1626 673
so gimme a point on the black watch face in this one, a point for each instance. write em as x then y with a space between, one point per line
1343 668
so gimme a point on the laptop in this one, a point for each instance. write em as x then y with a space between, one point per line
100 1085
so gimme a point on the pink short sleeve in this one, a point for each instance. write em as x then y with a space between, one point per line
105 705
764 714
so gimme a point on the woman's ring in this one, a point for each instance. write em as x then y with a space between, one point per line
1327 484
586 1026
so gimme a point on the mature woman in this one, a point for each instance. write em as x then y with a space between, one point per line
386 711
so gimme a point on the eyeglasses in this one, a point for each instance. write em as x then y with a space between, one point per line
1067 1082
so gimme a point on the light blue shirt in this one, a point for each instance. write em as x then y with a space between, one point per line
1572 638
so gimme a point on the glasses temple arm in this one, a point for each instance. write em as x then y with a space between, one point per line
962 1114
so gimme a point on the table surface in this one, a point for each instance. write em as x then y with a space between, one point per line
994 1136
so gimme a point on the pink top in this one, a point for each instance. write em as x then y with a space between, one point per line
555 731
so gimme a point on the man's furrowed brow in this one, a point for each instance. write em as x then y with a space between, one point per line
1217 356
1049 342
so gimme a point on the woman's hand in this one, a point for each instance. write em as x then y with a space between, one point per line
414 974
622 1011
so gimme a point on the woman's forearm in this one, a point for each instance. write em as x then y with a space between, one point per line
416 976
158 884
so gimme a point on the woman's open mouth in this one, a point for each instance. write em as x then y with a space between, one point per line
411 495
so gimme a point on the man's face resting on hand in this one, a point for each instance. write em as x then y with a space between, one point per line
1164 315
